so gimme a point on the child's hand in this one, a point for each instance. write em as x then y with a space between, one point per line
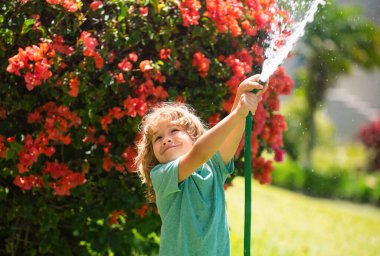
248 101
250 84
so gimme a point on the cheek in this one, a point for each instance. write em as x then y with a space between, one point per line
155 147
187 138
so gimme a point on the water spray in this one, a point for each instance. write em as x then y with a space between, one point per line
274 57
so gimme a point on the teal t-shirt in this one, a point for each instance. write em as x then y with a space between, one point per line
193 212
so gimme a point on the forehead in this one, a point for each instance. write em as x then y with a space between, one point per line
162 125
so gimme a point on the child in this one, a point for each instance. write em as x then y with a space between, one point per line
185 167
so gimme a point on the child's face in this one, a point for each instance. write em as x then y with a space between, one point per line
170 141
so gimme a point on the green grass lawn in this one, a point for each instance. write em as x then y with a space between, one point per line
287 223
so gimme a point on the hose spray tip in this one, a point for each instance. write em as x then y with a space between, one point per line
263 83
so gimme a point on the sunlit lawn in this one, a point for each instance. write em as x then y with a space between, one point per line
287 223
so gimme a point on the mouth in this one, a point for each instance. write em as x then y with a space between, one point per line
169 147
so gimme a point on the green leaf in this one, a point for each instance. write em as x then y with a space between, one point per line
10 154
16 146
27 26
123 13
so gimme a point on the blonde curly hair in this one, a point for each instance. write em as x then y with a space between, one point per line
182 115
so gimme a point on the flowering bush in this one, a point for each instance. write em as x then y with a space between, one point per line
76 78
370 136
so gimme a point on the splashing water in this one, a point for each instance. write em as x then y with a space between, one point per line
285 34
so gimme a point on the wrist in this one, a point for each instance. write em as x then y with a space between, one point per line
240 114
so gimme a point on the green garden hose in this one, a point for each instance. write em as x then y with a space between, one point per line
248 179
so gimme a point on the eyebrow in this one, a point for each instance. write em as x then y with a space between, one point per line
169 125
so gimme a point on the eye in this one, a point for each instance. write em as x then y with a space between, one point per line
174 130
157 138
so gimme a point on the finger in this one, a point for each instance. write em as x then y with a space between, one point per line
251 98
249 86
261 92
254 78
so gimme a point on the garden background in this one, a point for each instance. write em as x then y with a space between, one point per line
77 76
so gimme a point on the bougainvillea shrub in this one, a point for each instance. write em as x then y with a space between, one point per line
369 135
77 76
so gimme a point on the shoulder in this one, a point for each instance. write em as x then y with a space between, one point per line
217 162
162 169
165 178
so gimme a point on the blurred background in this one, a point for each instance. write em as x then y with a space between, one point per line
333 114
325 198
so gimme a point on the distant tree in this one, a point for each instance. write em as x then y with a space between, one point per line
338 39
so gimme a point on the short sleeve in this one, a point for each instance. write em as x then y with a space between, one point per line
165 178
226 169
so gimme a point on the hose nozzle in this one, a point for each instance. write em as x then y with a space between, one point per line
263 83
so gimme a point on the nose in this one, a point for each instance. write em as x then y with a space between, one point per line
167 140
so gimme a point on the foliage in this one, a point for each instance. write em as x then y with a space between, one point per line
76 78
295 138
336 171
370 136
338 184
338 38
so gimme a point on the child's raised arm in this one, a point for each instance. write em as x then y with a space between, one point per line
230 144
219 136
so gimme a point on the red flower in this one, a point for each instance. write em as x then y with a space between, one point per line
180 99
58 45
261 20
225 14
165 54
279 154
145 65
142 210
203 64
31 81
69 5
135 106
105 121
159 77
74 86
3 148
119 78
112 220
37 71
133 57
129 155
189 12
264 169
144 11
111 57
99 62
71 180
56 170
28 182
160 93
125 65
116 112
213 120
96 5
17 62
107 163
88 41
